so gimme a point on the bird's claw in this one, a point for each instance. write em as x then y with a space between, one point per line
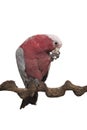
36 82
31 81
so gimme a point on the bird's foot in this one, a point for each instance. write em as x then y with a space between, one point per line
31 82
36 82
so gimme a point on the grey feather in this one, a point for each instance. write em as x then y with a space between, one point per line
21 67
21 64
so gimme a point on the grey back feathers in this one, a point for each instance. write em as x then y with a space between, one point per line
21 67
21 64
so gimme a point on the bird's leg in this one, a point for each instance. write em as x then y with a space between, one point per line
36 82
28 82
31 81
32 84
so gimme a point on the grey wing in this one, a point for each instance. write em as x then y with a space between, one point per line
21 64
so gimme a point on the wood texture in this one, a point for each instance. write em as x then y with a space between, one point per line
50 92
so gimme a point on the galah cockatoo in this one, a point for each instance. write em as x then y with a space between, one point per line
34 57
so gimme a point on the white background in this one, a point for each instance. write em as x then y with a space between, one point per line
20 19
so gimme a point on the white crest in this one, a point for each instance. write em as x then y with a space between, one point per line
55 38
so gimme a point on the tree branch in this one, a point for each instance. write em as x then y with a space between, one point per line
50 92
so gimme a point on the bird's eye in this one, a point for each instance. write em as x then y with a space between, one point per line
56 43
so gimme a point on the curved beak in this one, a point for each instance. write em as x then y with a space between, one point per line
59 45
55 53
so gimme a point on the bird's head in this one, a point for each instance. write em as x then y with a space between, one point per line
57 45
43 43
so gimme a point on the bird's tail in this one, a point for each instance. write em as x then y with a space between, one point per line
29 100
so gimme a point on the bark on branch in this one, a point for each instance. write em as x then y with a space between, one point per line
50 92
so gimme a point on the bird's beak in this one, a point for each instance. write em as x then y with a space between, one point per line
55 53
59 45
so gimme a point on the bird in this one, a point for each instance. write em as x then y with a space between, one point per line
34 57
